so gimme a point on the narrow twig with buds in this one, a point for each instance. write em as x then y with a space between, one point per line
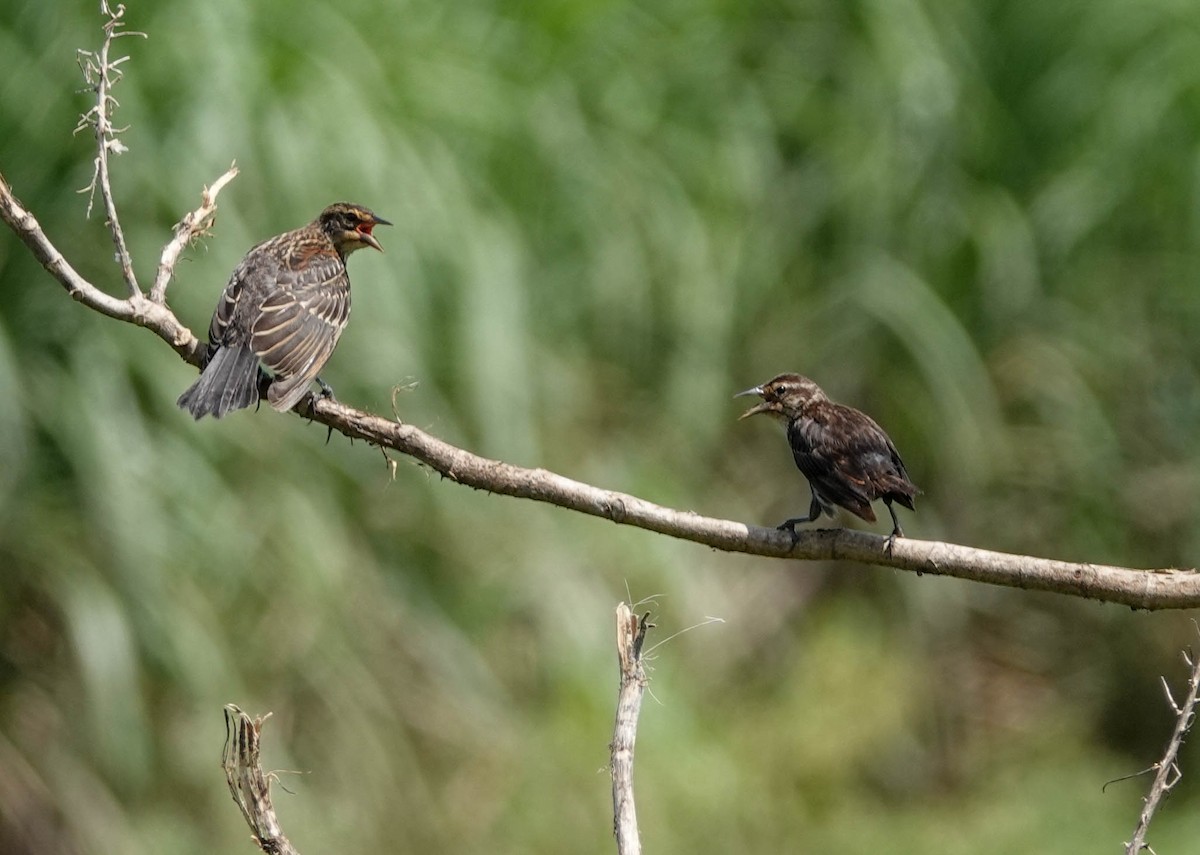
101 72
193 225
1166 771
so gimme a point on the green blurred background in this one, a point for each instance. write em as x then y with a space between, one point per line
979 221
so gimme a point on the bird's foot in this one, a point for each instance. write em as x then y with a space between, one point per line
891 541
790 527
327 395
310 401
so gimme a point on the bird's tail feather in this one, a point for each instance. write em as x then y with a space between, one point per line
286 392
900 490
229 382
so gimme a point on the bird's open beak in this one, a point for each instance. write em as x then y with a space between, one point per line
370 239
760 407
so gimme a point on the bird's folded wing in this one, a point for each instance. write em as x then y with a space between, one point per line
299 322
848 458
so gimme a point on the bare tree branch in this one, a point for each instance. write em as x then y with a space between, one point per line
137 309
631 633
248 784
101 72
1167 771
1142 589
1146 589
193 225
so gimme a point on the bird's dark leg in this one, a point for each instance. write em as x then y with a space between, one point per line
327 393
896 530
264 384
814 514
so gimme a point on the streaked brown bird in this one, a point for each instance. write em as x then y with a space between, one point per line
847 458
285 306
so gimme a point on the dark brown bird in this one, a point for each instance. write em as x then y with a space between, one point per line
846 457
285 306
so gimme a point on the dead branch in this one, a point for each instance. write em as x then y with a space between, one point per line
136 309
100 72
631 633
1146 589
249 785
1166 771
194 225
1141 589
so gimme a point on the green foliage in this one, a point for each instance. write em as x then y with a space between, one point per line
976 221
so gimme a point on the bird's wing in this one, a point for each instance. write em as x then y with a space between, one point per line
849 459
299 320
896 482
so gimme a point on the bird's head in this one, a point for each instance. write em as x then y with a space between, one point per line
349 226
784 397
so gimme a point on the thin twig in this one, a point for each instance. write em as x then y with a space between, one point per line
193 225
631 633
101 73
249 785
708 620
1167 771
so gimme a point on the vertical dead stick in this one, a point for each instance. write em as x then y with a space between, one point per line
101 73
248 784
1166 771
631 633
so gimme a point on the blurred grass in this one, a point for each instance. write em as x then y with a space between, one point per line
976 221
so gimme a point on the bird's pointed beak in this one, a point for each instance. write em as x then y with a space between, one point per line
760 407
370 239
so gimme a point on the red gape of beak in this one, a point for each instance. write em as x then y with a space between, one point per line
364 230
